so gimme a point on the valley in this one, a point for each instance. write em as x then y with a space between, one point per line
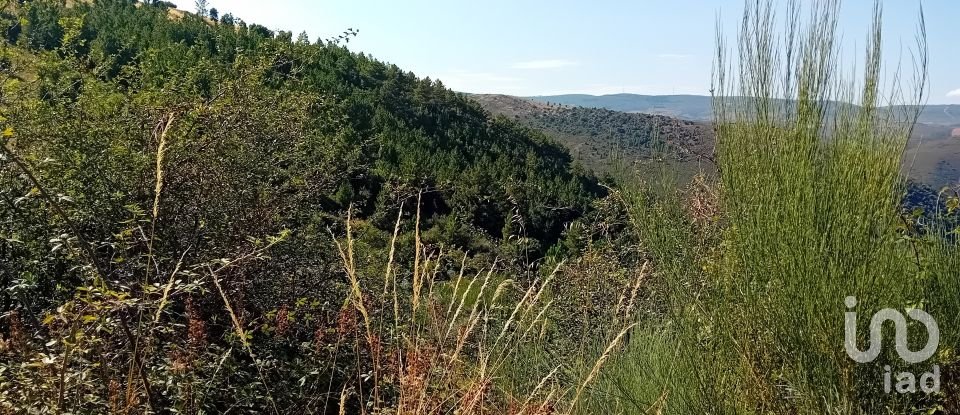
674 132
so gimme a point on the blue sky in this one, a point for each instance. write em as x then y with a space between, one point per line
542 47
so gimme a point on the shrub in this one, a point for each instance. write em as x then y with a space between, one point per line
809 208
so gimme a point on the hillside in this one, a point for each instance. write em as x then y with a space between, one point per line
688 107
699 107
383 128
229 177
600 138
590 127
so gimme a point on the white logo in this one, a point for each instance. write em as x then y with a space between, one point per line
906 382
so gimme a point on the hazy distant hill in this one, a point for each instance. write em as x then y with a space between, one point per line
698 107
598 137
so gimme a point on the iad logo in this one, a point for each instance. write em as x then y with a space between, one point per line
906 381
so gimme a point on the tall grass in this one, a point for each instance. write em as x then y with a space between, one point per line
448 345
809 206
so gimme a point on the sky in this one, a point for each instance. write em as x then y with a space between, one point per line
549 47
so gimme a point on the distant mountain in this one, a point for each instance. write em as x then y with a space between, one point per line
698 107
600 138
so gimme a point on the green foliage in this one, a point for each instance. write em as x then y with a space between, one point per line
146 157
809 203
41 27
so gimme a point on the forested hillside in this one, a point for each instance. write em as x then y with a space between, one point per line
258 128
699 107
144 148
602 138
688 107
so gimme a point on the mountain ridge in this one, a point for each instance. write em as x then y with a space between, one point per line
699 107
932 156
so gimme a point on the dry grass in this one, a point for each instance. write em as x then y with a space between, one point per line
445 354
